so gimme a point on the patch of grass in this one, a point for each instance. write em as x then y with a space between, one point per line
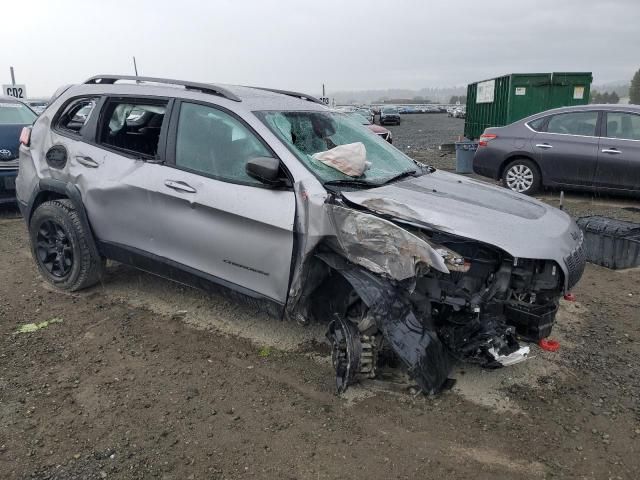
34 327
264 352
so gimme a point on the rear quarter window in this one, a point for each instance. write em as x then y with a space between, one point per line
75 115
537 124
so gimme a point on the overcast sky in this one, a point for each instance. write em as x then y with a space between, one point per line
298 45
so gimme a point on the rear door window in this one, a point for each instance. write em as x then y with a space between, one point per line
76 115
624 126
133 127
574 123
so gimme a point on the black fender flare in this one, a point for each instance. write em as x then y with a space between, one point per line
65 190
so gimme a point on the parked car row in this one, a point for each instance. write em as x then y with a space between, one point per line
457 112
588 147
421 109
377 129
37 105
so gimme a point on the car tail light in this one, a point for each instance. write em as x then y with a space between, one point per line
485 138
25 136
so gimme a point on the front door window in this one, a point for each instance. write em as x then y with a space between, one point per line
216 144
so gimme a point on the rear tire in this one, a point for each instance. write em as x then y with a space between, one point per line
62 247
522 176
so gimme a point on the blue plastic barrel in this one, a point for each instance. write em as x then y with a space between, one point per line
464 156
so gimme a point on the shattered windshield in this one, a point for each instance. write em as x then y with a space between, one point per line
313 136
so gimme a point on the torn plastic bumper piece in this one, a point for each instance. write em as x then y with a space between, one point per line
427 360
486 340
512 358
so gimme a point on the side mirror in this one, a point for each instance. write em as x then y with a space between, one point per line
265 169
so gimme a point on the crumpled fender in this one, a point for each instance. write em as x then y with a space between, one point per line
381 246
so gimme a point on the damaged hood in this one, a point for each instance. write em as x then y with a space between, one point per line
519 225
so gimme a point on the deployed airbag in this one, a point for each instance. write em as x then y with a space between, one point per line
350 159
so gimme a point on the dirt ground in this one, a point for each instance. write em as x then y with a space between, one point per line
143 378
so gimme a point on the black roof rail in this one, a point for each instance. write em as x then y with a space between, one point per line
202 87
301 96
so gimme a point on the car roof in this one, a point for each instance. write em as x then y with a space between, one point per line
618 107
234 96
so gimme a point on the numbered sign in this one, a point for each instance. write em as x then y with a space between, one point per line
17 91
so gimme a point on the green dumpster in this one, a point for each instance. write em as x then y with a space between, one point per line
503 100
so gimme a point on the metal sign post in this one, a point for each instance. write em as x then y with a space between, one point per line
14 90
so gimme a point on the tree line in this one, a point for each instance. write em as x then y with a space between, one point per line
605 97
613 97
634 89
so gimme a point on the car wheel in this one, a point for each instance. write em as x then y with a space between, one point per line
521 176
62 247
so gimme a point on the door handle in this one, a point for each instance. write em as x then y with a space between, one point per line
614 151
544 145
87 161
180 186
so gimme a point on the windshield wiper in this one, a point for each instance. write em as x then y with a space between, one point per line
355 182
350 182
400 176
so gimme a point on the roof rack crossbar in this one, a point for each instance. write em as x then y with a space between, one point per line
203 87
302 96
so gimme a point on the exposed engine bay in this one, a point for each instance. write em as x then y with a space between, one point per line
463 301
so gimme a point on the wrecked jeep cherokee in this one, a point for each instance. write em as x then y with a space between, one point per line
269 194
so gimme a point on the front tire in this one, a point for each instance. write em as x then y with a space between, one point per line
62 247
522 176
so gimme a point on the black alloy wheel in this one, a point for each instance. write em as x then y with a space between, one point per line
54 249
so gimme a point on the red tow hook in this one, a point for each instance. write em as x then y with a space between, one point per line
549 345
570 297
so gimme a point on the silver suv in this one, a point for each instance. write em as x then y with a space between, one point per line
270 195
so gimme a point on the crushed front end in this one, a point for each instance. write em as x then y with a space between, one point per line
398 293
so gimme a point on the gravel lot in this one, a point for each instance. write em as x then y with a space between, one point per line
144 378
